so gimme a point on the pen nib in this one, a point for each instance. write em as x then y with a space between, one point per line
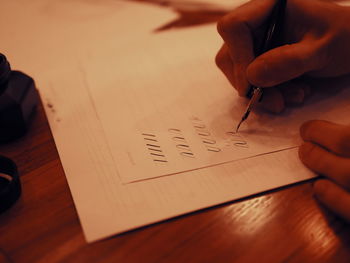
239 125
245 116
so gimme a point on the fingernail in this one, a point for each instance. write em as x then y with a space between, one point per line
303 129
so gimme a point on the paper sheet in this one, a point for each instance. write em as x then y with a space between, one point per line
162 116
74 51
199 5
170 110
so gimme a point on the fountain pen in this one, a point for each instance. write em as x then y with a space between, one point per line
272 39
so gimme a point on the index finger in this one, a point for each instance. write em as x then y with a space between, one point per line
236 29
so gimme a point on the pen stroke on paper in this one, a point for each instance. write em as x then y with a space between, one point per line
183 146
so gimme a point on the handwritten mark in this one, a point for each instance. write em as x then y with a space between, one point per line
154 148
205 135
181 143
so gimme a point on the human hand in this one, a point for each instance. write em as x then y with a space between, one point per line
317 37
326 151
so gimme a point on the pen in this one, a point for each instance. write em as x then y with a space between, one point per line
272 39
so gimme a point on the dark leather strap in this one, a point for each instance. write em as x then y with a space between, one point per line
10 186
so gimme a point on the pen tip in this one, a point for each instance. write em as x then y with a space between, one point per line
239 125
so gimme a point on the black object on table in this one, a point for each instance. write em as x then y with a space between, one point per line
18 101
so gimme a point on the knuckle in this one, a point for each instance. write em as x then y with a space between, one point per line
319 55
219 59
222 26
229 24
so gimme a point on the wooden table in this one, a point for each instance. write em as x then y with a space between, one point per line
286 225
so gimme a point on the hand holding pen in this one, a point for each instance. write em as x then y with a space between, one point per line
310 30
316 40
272 38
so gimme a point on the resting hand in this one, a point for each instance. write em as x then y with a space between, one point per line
317 37
326 151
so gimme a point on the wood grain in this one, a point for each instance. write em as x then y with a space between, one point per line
287 225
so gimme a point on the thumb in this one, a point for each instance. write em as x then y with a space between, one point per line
284 63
